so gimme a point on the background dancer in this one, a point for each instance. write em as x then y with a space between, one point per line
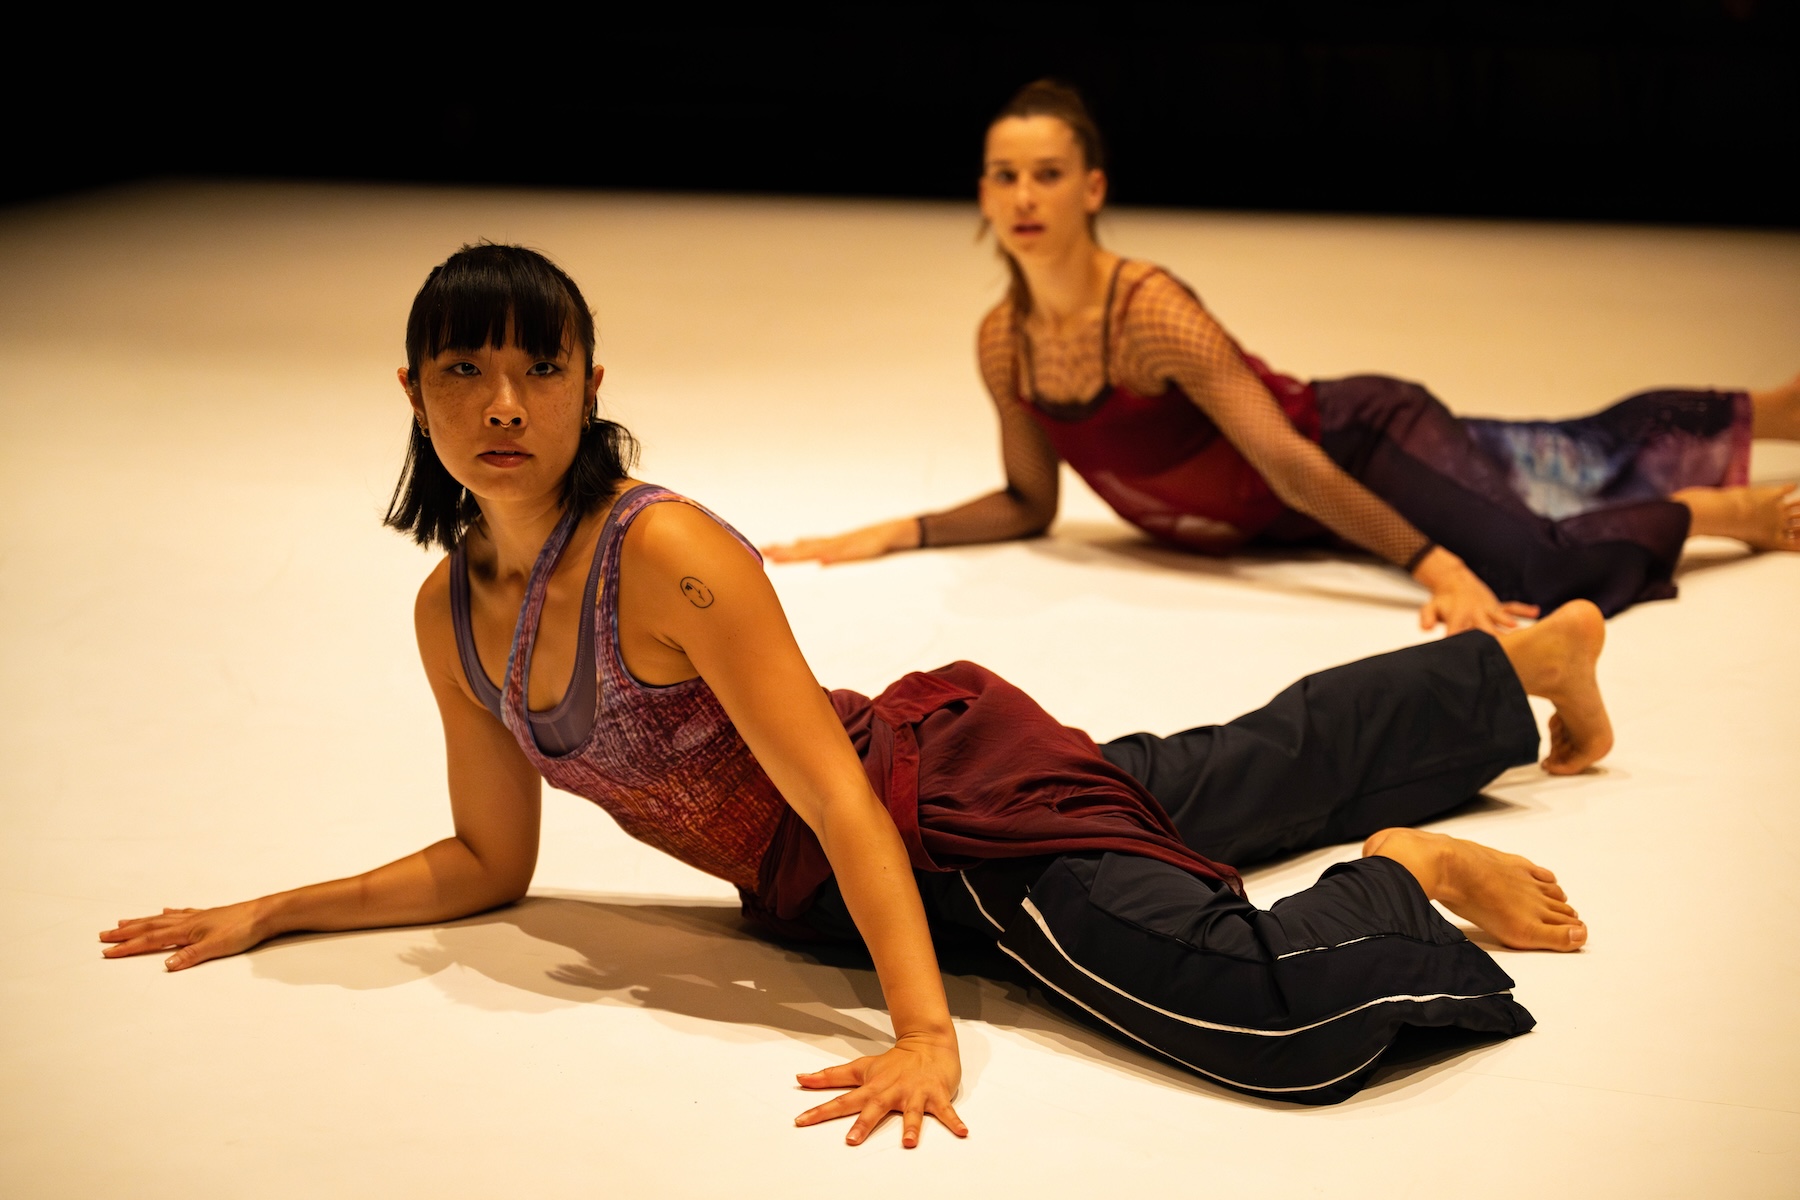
1115 367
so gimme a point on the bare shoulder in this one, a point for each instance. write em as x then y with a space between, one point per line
674 539
434 593
675 552
432 624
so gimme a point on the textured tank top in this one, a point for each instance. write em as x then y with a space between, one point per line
665 762
1159 461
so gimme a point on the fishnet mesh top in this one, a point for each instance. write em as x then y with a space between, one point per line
1161 337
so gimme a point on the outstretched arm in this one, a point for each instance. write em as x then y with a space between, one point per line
1170 336
495 803
741 644
1023 508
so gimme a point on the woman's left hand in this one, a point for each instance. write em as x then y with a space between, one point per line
1460 600
919 1075
195 934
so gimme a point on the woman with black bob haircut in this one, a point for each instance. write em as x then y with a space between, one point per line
490 294
624 643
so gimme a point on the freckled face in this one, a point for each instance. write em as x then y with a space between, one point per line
1037 191
504 423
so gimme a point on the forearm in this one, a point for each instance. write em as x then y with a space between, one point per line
877 883
996 517
1305 479
439 883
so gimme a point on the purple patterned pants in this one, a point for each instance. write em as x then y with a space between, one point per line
1543 511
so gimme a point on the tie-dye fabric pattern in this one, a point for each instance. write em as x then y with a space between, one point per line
1543 511
1643 448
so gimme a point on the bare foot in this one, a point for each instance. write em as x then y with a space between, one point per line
1765 515
1555 659
1511 897
1776 413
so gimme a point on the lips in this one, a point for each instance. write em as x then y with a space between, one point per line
504 456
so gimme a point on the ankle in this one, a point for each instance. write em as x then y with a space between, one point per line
1538 671
1775 413
1422 854
1712 510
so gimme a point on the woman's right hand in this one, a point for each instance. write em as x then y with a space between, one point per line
919 1076
195 934
1460 600
871 541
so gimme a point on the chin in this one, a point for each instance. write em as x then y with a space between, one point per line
510 486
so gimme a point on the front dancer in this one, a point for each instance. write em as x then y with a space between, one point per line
624 643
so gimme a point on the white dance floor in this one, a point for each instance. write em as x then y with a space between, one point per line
211 691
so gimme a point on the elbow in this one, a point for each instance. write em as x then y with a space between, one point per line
510 888
1036 513
1286 481
498 884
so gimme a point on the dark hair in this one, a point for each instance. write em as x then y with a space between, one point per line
1051 98
492 295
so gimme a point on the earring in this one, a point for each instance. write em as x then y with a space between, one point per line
424 430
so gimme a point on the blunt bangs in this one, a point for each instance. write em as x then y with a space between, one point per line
488 295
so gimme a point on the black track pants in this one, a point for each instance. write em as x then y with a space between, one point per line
1296 1002
1390 740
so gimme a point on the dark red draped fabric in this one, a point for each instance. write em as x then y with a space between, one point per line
973 770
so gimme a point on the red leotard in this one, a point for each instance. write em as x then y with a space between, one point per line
1163 465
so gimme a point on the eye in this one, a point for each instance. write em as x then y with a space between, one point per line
545 368
1050 174
466 370
1002 175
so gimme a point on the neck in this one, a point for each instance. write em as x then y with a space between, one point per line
517 530
1070 283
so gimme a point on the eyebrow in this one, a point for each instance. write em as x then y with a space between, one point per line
563 351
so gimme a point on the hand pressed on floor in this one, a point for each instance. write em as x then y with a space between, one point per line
195 934
919 1075
1461 601
871 541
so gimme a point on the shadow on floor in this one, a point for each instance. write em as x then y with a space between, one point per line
698 960
1707 554
1305 571
1341 573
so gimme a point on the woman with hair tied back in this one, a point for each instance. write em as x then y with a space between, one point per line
624 643
1115 367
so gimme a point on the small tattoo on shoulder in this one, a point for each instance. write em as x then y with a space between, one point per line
698 594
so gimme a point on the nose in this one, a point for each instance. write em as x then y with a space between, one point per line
504 410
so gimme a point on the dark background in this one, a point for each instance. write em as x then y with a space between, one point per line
1658 111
